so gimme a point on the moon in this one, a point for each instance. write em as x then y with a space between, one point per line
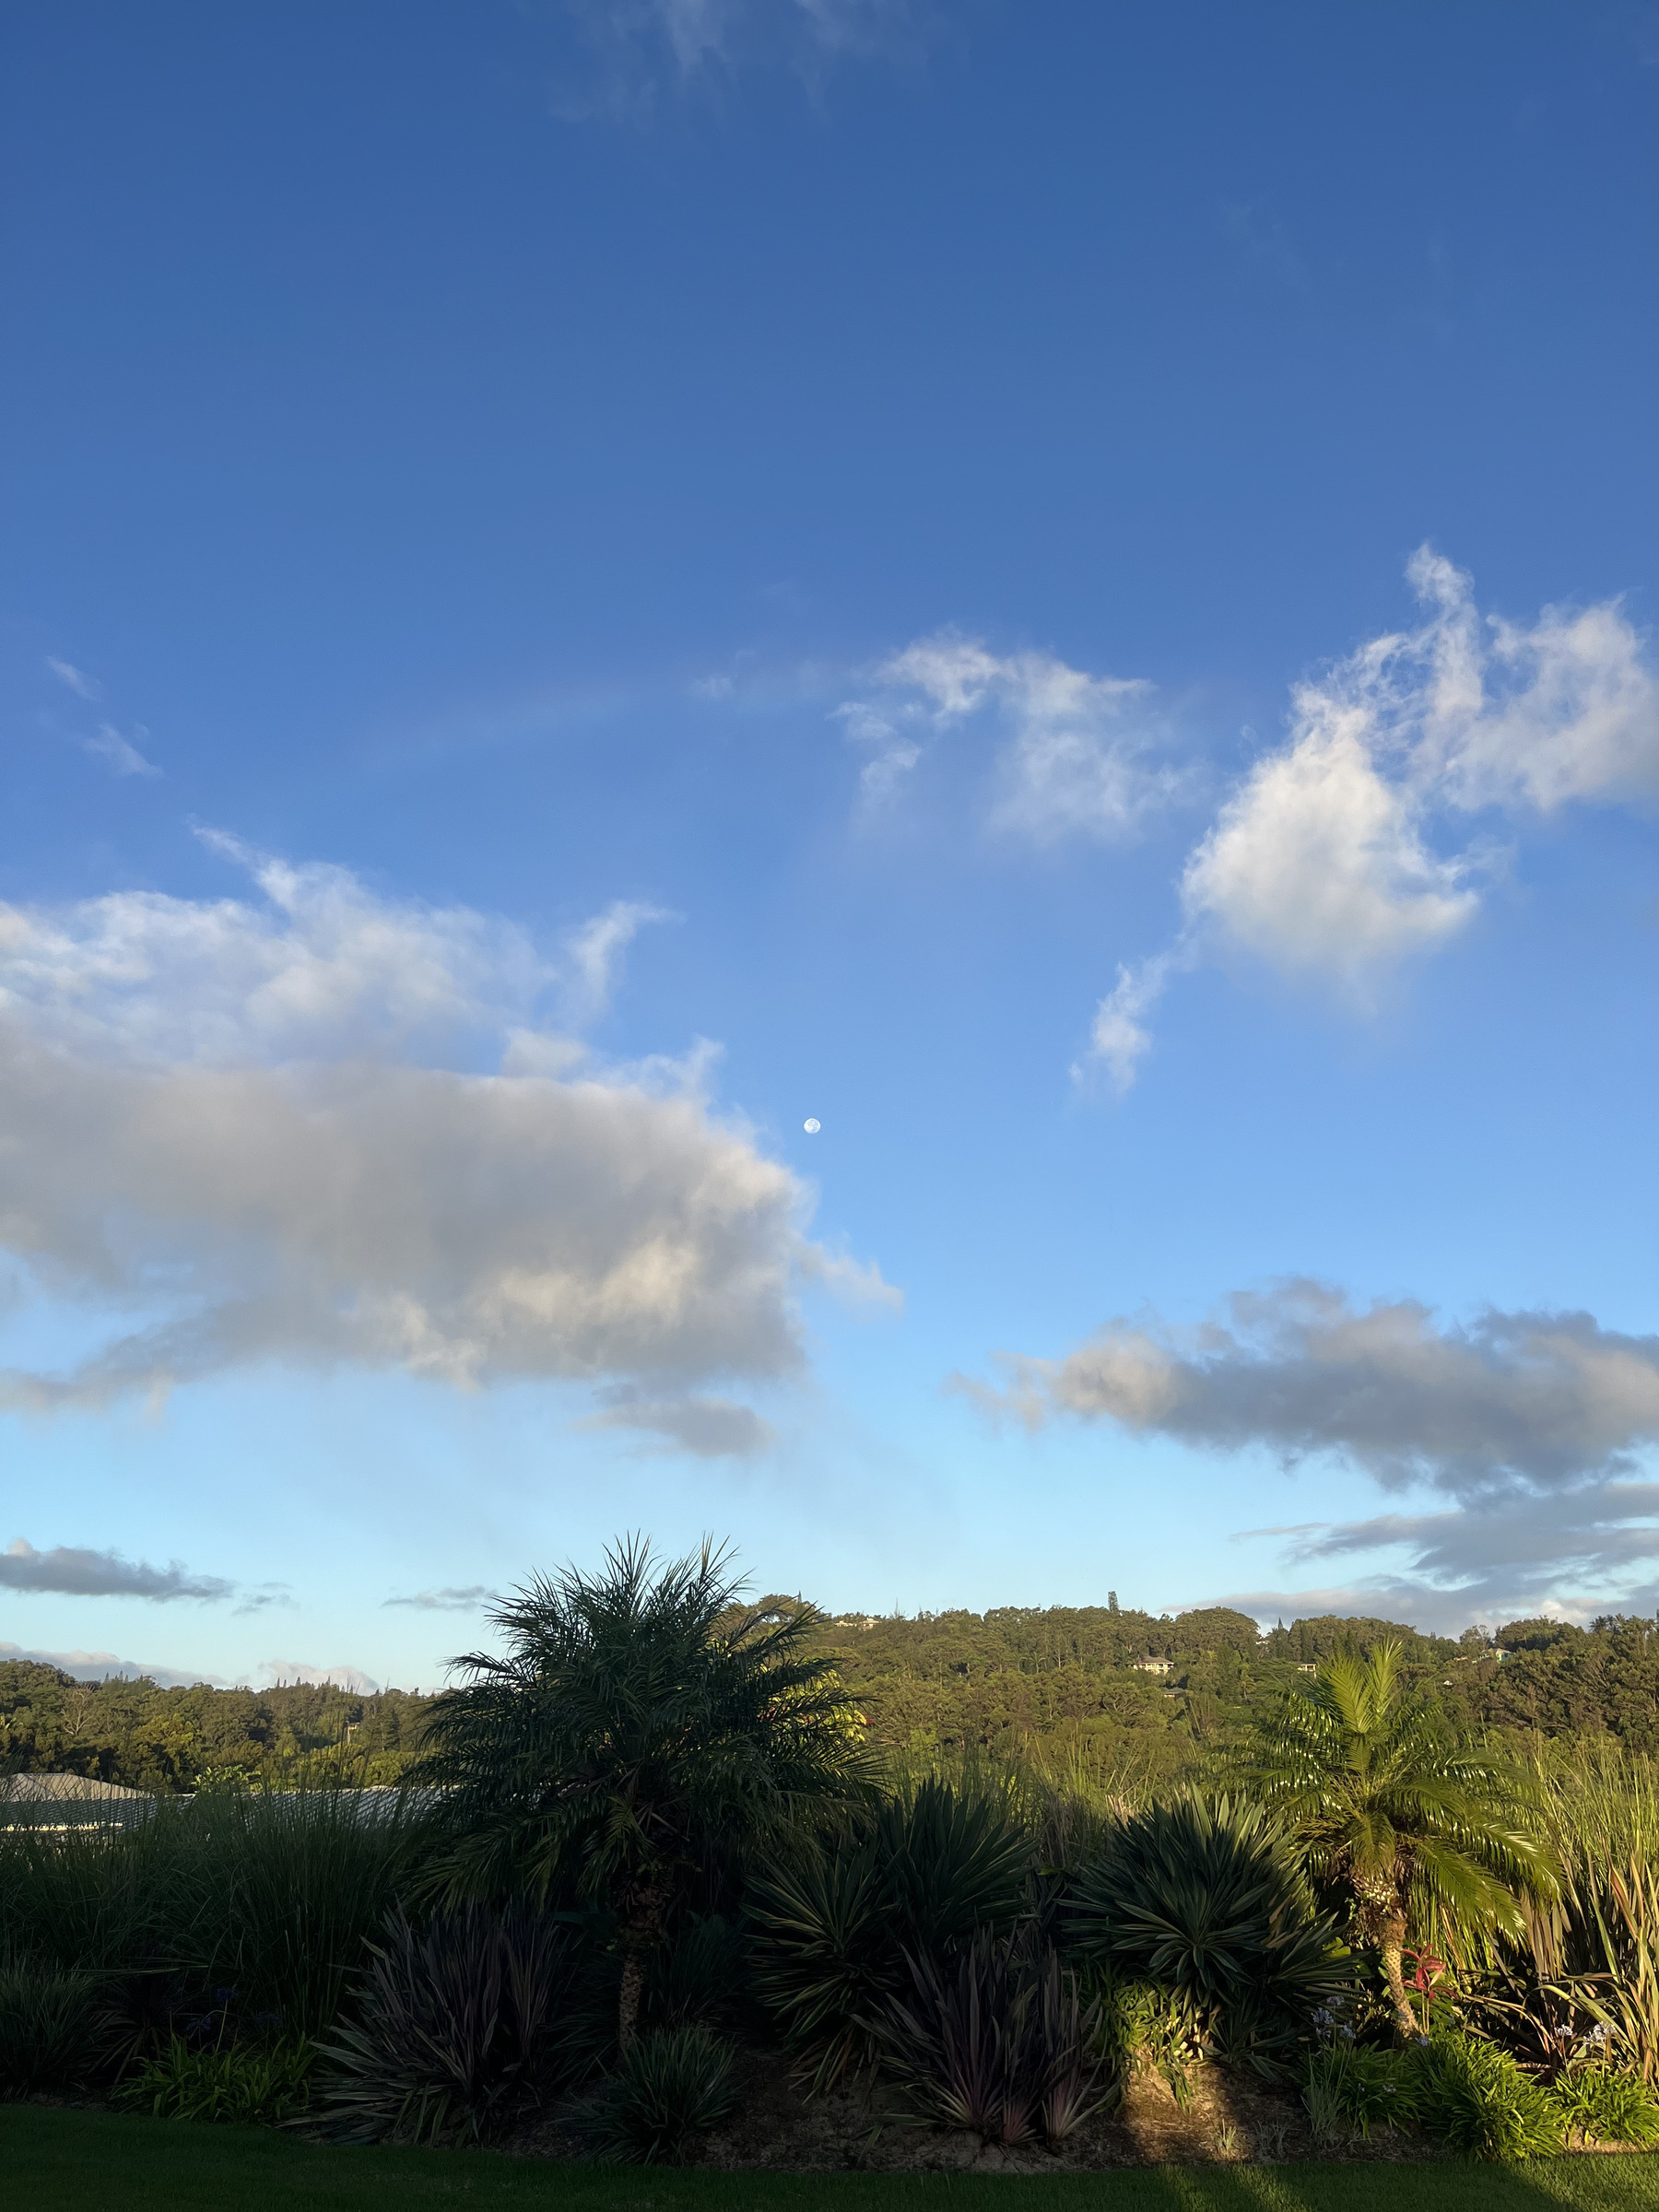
812 1128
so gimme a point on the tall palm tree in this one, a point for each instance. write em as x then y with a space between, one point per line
638 1715
1396 1812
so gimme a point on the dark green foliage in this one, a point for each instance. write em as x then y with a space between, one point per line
167 1741
1474 2098
1207 1899
672 2084
269 1896
1609 2106
1357 2089
53 2028
996 2042
637 1722
230 2081
701 1978
835 1914
457 2028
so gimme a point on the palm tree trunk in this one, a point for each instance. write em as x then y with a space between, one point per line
1393 1943
628 2002
641 1929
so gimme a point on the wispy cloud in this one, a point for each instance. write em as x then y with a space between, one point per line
1527 1427
469 1600
707 1428
119 752
74 1572
1078 753
642 49
1346 849
75 679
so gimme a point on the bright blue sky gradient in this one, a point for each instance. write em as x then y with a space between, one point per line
483 448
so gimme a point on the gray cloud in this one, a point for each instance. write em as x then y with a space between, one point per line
447 1601
277 1113
710 1427
1527 1424
74 1572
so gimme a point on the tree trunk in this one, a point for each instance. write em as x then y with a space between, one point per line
642 1929
1394 1942
628 2003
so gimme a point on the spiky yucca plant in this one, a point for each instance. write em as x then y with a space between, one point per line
1388 1805
636 1718
1206 1899
836 1915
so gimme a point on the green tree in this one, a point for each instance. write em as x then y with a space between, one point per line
1391 1807
636 1716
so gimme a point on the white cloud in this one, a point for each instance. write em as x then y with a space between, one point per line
1524 1425
262 1131
279 1672
1074 757
1119 1038
596 950
1327 860
1318 864
119 752
76 1573
75 679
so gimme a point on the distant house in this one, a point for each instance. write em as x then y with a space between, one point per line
1149 1666
64 1801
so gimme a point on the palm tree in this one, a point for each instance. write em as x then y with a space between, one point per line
1389 1808
638 1717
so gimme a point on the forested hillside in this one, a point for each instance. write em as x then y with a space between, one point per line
1134 1693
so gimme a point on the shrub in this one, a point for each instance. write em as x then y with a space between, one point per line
836 1916
1208 1902
1607 2105
997 2043
52 2029
230 2081
673 2084
1476 2099
1352 2088
456 2028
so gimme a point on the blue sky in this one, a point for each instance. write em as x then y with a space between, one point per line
1063 591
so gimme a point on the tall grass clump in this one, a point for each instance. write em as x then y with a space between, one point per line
53 2028
1596 1948
270 1897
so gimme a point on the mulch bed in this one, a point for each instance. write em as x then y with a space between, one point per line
1228 2118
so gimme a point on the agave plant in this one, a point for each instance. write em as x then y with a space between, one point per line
836 1916
996 2042
457 2026
1207 1900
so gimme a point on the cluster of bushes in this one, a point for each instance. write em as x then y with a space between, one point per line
651 1840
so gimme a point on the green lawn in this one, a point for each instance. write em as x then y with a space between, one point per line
61 2161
